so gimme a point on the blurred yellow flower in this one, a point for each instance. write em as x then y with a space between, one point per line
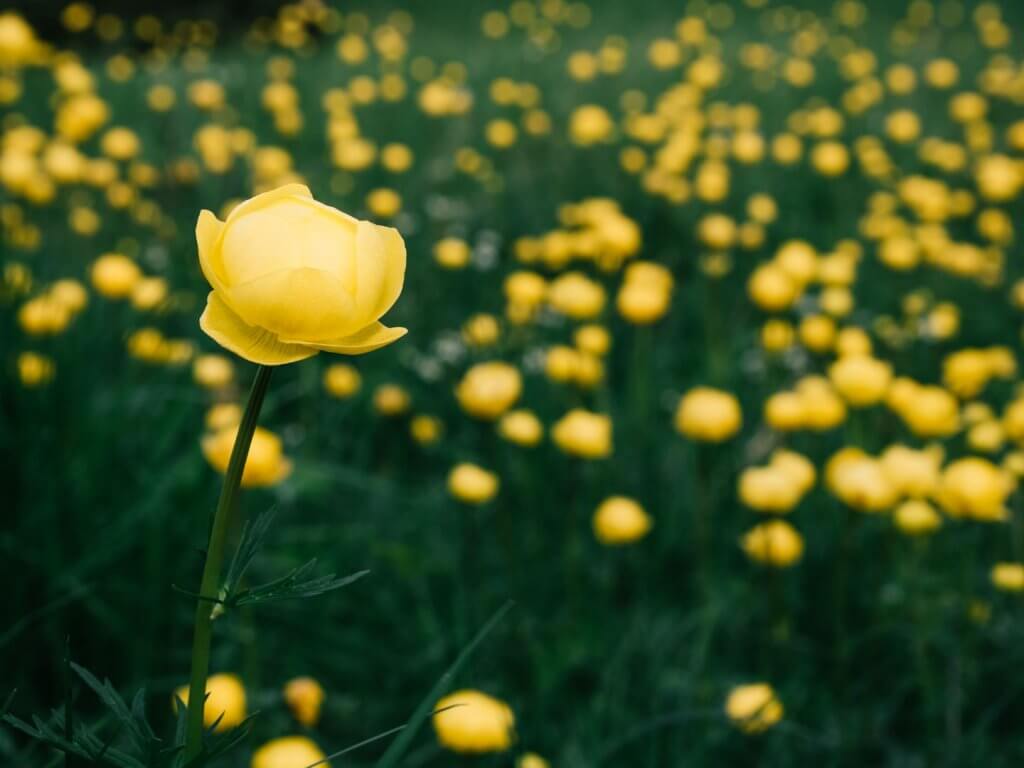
584 434
289 752
753 707
708 415
1008 577
775 543
472 484
342 380
115 276
521 427
225 701
487 390
471 722
212 371
304 697
265 465
620 520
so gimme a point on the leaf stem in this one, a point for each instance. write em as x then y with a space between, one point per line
215 560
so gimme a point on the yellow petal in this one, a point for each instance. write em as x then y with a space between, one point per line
380 265
208 231
303 304
221 324
288 190
373 336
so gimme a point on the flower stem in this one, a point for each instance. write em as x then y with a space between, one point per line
214 561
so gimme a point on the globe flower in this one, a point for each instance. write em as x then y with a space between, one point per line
34 369
292 277
391 400
114 275
342 380
620 520
489 389
212 371
425 429
289 752
265 464
223 415
472 484
768 489
753 708
860 481
584 434
708 415
975 488
1008 577
916 517
225 701
304 697
861 380
775 543
577 296
471 722
521 427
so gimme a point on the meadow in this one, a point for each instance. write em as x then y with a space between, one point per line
702 447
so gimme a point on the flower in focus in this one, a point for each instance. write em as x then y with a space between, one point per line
225 701
471 722
304 697
265 465
620 520
753 707
289 752
292 277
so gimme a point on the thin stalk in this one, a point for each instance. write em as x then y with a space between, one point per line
214 562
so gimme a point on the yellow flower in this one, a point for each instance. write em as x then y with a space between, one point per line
223 415
212 371
489 389
289 752
771 288
862 380
708 415
426 429
292 277
769 489
916 517
304 697
149 293
225 701
472 484
342 380
265 464
34 369
775 543
584 434
472 722
593 339
576 295
754 707
860 481
521 427
590 124
384 202
914 473
451 253
1008 577
975 488
114 275
481 330
391 400
620 520
532 760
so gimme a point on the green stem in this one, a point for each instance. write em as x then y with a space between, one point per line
214 561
